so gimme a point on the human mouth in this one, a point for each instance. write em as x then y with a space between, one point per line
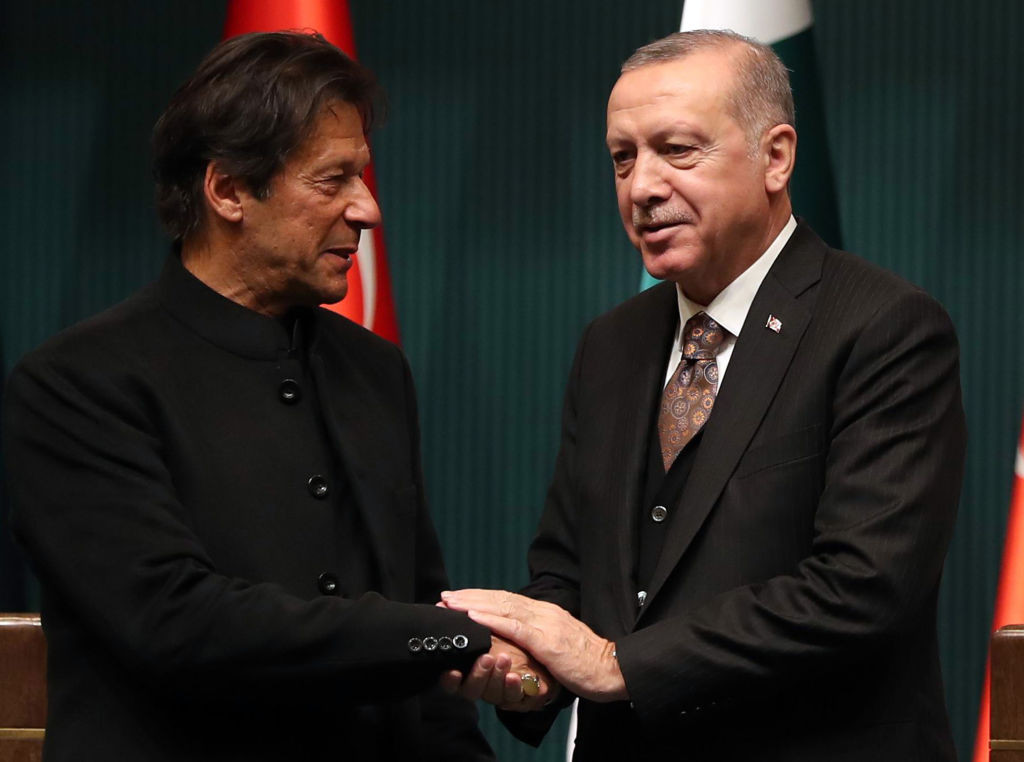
658 232
342 253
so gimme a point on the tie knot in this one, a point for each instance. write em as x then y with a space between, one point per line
702 337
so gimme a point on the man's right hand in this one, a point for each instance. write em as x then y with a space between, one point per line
496 678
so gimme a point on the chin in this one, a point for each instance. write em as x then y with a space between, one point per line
333 293
673 264
333 298
663 269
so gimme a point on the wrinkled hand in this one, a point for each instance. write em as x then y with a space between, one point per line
496 678
576 656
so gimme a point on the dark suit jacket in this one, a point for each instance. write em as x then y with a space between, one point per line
202 598
791 615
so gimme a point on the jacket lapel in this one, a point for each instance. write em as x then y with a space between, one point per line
756 370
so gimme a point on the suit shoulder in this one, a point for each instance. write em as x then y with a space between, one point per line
868 287
638 311
112 331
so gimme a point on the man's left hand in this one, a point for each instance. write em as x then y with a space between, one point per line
576 656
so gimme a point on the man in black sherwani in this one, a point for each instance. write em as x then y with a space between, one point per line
218 483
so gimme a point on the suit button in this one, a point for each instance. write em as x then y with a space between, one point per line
318 487
289 391
659 513
460 641
430 643
328 584
444 643
415 645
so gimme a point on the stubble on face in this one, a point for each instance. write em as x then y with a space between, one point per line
660 215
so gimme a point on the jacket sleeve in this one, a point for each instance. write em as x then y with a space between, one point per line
97 509
882 526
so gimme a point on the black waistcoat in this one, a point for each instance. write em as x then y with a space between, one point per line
662 491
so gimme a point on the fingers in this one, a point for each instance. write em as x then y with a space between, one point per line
500 602
450 681
475 683
496 677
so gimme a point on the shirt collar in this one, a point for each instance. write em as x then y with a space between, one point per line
729 309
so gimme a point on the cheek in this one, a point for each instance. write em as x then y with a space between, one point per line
625 207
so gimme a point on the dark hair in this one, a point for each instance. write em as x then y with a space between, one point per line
251 102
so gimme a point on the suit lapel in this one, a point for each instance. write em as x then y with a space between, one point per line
640 389
756 369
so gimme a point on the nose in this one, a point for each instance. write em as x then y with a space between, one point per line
362 211
648 183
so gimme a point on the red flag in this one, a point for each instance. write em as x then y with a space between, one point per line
1010 594
369 301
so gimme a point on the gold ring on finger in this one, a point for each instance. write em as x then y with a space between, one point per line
531 684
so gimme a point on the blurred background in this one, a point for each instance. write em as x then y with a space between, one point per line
503 238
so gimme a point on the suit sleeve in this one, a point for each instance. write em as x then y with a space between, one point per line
881 530
553 557
97 509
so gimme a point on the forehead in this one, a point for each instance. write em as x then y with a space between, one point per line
696 86
336 133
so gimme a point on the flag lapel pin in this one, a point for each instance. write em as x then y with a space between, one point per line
774 324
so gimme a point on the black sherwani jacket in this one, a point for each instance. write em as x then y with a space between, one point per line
227 519
791 614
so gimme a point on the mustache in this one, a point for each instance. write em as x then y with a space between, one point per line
659 216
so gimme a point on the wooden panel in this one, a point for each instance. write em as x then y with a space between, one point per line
23 689
1007 727
21 751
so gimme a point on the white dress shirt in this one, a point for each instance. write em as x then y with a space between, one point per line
729 309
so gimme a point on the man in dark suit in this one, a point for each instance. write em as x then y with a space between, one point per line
740 554
218 482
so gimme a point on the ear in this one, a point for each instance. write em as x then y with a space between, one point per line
223 193
779 151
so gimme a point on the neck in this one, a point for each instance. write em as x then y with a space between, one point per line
756 243
219 266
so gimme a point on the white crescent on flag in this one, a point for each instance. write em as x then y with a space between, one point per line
367 258
767 21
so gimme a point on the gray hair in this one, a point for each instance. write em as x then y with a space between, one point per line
762 97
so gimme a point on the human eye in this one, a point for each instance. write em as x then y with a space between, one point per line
622 159
680 153
679 149
330 184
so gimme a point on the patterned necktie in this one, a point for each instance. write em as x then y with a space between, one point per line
690 394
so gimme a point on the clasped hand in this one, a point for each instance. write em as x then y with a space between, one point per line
534 637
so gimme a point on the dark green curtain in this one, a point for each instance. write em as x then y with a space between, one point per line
502 231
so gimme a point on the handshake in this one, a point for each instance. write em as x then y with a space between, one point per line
537 649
